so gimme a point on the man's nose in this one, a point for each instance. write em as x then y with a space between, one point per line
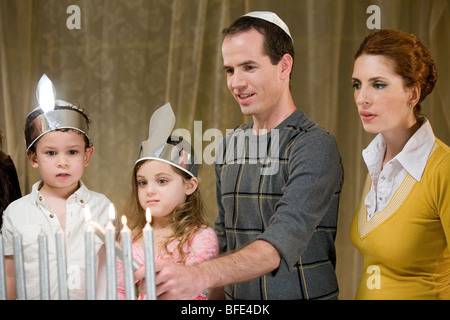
237 81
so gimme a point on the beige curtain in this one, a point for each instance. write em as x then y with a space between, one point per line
130 57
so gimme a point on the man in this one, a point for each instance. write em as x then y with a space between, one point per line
277 212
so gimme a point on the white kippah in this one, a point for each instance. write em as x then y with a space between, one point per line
272 18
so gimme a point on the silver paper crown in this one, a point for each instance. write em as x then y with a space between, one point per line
272 18
161 146
52 114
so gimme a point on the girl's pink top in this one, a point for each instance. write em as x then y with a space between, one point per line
203 246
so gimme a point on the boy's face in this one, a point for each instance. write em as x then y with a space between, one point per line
61 158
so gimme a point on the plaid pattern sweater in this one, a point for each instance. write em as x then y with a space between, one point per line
283 188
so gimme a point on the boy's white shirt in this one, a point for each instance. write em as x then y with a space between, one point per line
30 214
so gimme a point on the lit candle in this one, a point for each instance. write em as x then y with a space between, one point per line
110 255
18 267
149 257
125 236
2 271
62 269
43 267
90 256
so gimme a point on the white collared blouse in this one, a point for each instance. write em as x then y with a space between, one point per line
385 181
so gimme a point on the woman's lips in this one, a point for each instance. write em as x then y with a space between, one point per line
367 116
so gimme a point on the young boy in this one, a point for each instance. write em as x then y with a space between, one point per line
59 147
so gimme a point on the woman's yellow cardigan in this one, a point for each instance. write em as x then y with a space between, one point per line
405 246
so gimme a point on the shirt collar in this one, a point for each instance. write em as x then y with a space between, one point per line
415 153
80 196
373 155
413 157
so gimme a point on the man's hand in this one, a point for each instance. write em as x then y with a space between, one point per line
173 281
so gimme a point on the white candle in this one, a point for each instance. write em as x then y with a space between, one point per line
2 271
149 257
101 233
125 236
110 255
19 267
90 256
98 230
62 268
43 267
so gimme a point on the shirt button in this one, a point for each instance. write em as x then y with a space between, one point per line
52 215
40 198
383 178
81 201
380 198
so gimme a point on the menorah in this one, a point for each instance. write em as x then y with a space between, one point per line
113 250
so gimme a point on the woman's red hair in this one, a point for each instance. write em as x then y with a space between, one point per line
412 60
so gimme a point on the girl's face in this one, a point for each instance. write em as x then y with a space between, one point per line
61 158
161 189
383 101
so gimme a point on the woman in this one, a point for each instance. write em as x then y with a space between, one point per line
402 226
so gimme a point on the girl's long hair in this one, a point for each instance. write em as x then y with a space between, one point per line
187 218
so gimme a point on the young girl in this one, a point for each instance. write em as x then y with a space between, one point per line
168 187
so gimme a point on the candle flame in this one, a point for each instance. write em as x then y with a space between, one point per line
87 213
124 220
148 215
112 212
45 93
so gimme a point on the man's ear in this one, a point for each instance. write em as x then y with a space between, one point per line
286 66
87 155
190 186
